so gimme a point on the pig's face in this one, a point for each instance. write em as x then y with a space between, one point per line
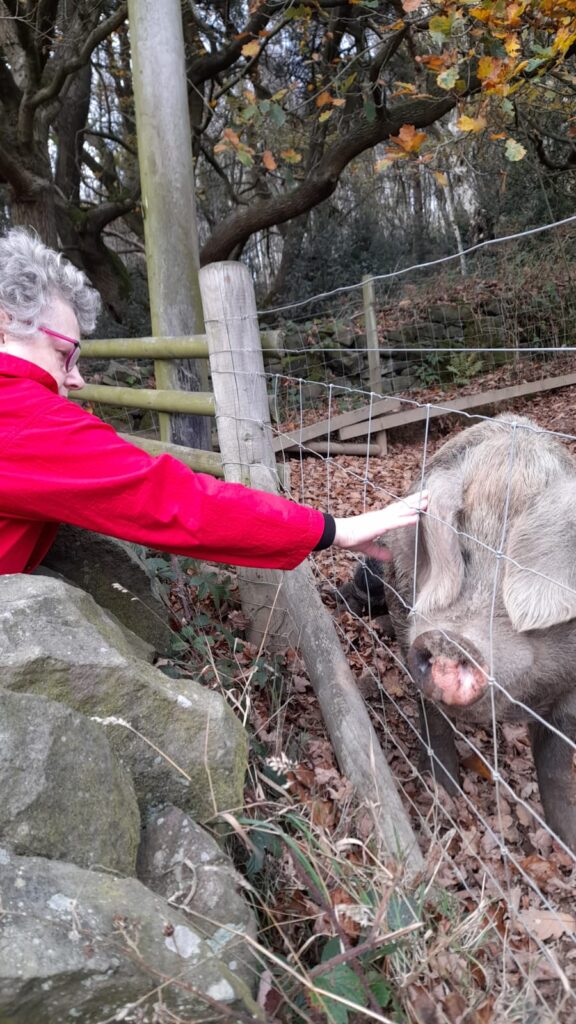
495 592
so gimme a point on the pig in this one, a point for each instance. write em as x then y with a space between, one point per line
482 595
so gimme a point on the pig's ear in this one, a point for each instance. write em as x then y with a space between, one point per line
540 580
440 571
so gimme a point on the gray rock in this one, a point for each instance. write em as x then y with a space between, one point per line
116 576
83 945
439 333
180 861
64 793
450 313
183 744
403 382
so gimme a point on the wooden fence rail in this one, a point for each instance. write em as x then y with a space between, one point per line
167 400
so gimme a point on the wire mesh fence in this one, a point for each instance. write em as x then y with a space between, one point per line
511 315
498 531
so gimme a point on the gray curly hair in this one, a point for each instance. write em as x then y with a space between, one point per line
31 275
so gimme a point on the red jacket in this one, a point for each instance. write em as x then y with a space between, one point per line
59 463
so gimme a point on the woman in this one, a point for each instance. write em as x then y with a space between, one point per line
59 463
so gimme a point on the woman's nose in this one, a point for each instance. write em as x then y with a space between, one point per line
74 379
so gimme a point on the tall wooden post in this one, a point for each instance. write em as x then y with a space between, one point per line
167 181
371 328
245 436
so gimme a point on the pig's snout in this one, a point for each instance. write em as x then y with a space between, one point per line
447 668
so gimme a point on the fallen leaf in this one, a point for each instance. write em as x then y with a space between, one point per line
548 924
474 763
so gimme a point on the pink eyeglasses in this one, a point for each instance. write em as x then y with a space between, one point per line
74 356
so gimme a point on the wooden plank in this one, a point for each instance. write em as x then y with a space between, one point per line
335 448
413 415
326 427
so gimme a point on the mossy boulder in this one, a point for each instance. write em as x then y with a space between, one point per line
86 946
115 574
180 741
64 793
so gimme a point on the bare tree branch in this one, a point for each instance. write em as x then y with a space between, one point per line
68 67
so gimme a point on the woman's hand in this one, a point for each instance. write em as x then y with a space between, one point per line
358 533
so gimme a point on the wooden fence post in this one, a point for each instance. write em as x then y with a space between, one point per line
371 327
246 447
243 422
374 366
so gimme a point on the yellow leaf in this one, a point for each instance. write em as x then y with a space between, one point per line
471 124
404 87
325 115
323 99
251 49
564 39
269 161
486 67
408 138
481 13
441 178
291 156
512 45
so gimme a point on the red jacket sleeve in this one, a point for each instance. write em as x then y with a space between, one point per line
65 465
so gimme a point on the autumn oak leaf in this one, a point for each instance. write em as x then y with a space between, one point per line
408 138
